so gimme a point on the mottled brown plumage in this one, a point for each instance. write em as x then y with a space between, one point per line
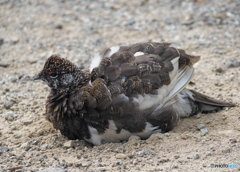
137 89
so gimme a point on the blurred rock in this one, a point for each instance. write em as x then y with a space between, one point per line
4 65
26 146
8 104
141 153
233 63
121 156
196 156
219 70
100 169
9 116
4 149
14 39
176 156
86 164
27 122
200 126
204 131
69 144
134 138
53 170
167 134
59 26
1 41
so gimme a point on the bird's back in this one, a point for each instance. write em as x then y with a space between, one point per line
149 73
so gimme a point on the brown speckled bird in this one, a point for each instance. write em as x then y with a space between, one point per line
132 90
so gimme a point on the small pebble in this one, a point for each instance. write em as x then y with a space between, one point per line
200 126
86 164
36 142
135 162
14 39
27 122
219 70
196 156
26 146
59 26
198 116
8 104
233 140
4 65
101 169
32 61
167 134
204 131
233 63
48 147
130 156
226 151
69 144
219 51
53 170
121 149
121 156
9 116
175 166
78 164
163 160
176 156
134 138
209 154
131 22
81 143
63 164
4 149
141 153
1 41
40 132
226 132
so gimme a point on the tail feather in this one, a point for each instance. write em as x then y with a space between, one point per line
205 104
210 101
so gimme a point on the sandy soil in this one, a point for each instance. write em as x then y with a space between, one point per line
30 31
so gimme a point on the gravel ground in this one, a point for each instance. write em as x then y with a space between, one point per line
30 31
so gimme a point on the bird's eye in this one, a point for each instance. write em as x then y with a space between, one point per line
53 75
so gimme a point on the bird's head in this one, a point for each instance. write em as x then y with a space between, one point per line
60 73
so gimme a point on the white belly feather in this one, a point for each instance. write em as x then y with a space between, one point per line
111 134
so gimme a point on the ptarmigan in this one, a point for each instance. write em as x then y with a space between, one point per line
131 90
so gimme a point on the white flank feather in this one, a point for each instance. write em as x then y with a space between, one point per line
95 62
97 59
111 135
138 54
112 51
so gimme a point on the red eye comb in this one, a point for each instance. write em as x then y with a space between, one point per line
50 72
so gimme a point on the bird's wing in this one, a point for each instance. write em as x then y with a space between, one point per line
151 72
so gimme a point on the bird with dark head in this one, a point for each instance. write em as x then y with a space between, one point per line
132 90
60 74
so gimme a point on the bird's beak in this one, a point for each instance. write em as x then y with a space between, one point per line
36 77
